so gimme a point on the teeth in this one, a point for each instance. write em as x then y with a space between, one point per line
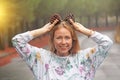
64 46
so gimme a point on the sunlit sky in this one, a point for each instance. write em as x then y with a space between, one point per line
3 13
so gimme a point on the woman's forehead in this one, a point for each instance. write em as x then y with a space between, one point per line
62 30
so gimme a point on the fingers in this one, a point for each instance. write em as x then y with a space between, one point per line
70 18
55 19
71 21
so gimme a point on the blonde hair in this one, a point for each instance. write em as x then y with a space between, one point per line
75 43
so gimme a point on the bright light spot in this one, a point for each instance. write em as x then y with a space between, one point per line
2 11
3 14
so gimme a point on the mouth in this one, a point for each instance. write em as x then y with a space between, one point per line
64 47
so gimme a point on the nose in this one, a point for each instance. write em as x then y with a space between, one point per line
63 41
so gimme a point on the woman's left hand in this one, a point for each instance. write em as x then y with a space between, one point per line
77 26
80 28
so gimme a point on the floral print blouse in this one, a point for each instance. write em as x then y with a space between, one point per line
46 65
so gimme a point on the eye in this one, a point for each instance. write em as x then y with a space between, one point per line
58 37
67 37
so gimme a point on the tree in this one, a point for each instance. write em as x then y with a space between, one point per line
48 7
18 11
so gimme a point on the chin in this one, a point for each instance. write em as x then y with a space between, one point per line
64 53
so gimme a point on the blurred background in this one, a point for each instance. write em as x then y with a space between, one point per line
17 16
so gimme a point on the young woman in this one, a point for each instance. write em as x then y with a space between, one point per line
65 60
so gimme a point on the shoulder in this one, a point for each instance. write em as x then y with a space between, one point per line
85 53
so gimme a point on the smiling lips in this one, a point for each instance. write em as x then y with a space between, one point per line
63 47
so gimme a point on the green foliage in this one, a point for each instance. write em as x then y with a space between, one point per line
48 7
21 15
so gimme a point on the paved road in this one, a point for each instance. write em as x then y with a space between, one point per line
109 70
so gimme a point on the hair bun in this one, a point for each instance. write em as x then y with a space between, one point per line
54 17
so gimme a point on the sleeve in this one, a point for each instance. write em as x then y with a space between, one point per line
96 55
26 51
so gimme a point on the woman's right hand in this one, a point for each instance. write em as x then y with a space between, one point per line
55 19
48 27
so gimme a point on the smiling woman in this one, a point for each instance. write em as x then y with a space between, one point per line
65 60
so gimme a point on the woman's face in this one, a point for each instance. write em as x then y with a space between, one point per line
62 41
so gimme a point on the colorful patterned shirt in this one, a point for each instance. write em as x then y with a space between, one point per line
46 65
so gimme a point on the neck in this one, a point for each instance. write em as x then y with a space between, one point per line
62 54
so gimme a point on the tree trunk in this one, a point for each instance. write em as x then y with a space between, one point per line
2 40
96 20
89 22
106 20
